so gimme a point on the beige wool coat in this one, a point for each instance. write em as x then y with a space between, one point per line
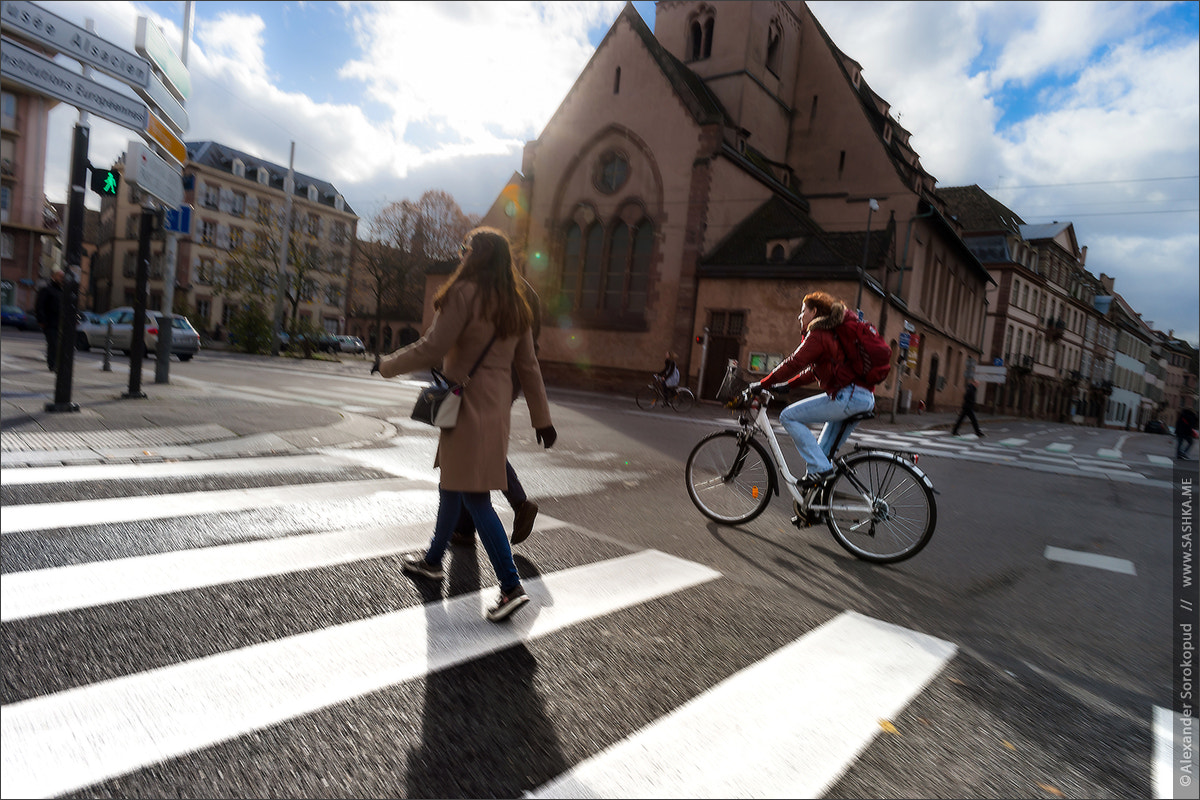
472 454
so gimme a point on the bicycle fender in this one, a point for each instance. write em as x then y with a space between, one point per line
898 458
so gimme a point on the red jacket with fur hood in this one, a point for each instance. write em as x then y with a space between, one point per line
819 357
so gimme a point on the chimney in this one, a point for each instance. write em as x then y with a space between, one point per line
1107 283
1083 256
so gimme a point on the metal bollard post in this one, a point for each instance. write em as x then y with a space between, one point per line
108 347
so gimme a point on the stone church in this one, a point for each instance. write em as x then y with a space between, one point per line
697 181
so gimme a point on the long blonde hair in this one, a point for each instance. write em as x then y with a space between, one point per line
487 261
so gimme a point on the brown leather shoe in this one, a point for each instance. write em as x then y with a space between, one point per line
462 539
523 522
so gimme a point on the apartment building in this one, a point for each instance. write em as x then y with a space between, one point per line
27 222
231 255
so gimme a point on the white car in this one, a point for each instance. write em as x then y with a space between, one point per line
93 332
351 344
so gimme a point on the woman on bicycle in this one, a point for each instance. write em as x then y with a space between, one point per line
820 358
668 377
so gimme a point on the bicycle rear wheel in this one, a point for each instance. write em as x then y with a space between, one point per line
647 397
729 477
902 513
684 400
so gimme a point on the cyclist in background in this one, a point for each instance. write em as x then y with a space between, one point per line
668 377
819 358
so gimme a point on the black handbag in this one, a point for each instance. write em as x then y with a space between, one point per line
438 403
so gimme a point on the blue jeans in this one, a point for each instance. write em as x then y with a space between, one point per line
514 494
831 410
491 533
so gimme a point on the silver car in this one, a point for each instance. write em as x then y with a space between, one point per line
351 344
185 341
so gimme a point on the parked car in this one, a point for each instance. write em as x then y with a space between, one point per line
351 344
1156 426
19 319
185 340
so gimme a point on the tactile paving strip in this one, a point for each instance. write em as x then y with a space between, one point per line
131 437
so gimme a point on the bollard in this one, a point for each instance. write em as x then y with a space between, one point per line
108 347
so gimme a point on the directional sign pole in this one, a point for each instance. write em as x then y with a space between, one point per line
137 343
64 360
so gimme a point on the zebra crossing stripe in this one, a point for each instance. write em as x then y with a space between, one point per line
51 591
41 516
69 740
796 720
177 469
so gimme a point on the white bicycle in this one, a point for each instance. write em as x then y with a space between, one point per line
878 505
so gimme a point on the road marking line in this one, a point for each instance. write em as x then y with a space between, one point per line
828 690
1160 461
1105 452
1013 442
73 739
1060 447
1109 563
43 516
1162 767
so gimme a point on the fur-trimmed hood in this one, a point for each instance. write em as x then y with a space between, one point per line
835 317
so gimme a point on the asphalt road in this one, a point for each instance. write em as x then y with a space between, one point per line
241 627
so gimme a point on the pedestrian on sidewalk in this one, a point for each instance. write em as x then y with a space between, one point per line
968 410
48 309
481 308
524 509
1185 433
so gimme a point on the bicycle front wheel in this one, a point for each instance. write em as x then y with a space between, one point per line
729 477
684 400
647 397
884 510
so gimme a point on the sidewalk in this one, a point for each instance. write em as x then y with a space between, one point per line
183 420
179 420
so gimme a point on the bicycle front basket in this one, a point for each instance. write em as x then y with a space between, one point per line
731 385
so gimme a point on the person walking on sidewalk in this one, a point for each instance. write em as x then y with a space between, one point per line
47 309
968 410
482 306
524 509
1185 433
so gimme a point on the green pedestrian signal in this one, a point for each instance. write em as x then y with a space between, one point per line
106 182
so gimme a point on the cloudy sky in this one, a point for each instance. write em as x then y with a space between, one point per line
1069 111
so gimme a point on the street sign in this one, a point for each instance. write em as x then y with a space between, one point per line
23 66
164 102
39 25
990 374
154 176
153 45
158 131
997 362
904 338
914 348
178 220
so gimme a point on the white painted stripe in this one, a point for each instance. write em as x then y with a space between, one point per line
1162 768
41 516
1160 461
73 739
51 591
1109 563
1013 442
178 469
795 720
1060 447
1105 452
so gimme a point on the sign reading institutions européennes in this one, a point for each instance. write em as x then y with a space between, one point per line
36 24
23 66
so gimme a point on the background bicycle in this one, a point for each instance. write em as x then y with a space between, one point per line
651 396
878 505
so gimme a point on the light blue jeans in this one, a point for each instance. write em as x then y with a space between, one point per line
831 410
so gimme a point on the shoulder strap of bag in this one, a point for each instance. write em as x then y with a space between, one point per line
478 361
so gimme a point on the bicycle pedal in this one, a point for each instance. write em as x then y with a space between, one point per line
801 521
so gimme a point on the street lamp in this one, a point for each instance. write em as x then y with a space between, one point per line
872 206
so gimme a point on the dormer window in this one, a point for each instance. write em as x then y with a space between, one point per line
264 176
339 203
312 193
239 168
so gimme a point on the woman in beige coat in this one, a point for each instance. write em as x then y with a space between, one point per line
483 299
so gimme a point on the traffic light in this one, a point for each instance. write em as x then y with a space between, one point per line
105 181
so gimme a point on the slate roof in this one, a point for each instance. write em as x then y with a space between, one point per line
977 211
219 156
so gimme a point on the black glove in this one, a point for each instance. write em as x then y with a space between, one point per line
547 436
375 366
755 388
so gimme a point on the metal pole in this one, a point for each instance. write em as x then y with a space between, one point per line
64 360
289 188
872 206
137 342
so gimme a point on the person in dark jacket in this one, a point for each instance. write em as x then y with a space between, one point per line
1185 433
47 310
820 358
968 410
